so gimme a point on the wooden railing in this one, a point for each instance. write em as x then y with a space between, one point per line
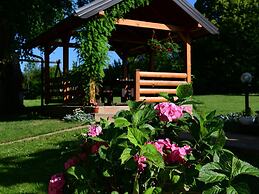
65 91
150 84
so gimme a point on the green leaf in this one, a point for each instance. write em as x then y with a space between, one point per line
121 122
216 157
167 96
217 139
213 190
106 173
71 171
133 105
209 174
115 192
77 172
231 190
96 139
226 160
103 152
242 188
241 167
175 179
153 190
81 190
125 156
184 90
142 116
136 137
136 186
147 126
151 153
211 115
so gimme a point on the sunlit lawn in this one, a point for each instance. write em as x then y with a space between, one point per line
30 103
19 129
224 104
26 167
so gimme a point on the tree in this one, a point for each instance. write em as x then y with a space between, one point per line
32 81
219 61
20 21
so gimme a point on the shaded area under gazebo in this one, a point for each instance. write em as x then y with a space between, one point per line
175 17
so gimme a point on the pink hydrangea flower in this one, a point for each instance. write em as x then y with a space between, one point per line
177 154
94 130
168 111
141 162
171 152
56 184
187 108
71 162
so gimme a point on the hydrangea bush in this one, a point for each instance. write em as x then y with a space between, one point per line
154 148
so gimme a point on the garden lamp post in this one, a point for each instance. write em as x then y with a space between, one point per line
246 78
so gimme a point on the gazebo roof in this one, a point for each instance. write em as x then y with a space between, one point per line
159 19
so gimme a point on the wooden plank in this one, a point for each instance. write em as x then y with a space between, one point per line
156 90
152 99
151 25
160 83
163 75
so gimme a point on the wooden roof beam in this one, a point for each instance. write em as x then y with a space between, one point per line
151 25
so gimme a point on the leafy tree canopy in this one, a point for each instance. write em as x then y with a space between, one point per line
21 20
236 48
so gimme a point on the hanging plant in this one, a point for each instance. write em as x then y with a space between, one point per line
167 54
164 47
93 39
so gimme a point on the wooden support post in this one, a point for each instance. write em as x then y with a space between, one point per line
188 60
137 86
65 54
188 57
65 41
46 75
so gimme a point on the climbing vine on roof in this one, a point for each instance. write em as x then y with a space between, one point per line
94 41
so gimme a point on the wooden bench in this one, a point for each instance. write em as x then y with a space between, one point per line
150 84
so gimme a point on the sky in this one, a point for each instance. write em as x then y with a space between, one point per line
73 56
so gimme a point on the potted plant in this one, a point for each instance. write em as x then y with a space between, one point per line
94 106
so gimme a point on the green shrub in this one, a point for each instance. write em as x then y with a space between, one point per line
153 149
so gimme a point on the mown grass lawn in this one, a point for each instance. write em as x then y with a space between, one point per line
224 104
26 167
19 129
30 103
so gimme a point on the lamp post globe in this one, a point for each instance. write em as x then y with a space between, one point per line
246 78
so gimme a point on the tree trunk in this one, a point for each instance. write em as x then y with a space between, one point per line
10 75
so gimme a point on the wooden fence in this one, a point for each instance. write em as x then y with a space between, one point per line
65 91
150 84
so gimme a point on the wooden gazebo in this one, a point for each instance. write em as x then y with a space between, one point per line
130 37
